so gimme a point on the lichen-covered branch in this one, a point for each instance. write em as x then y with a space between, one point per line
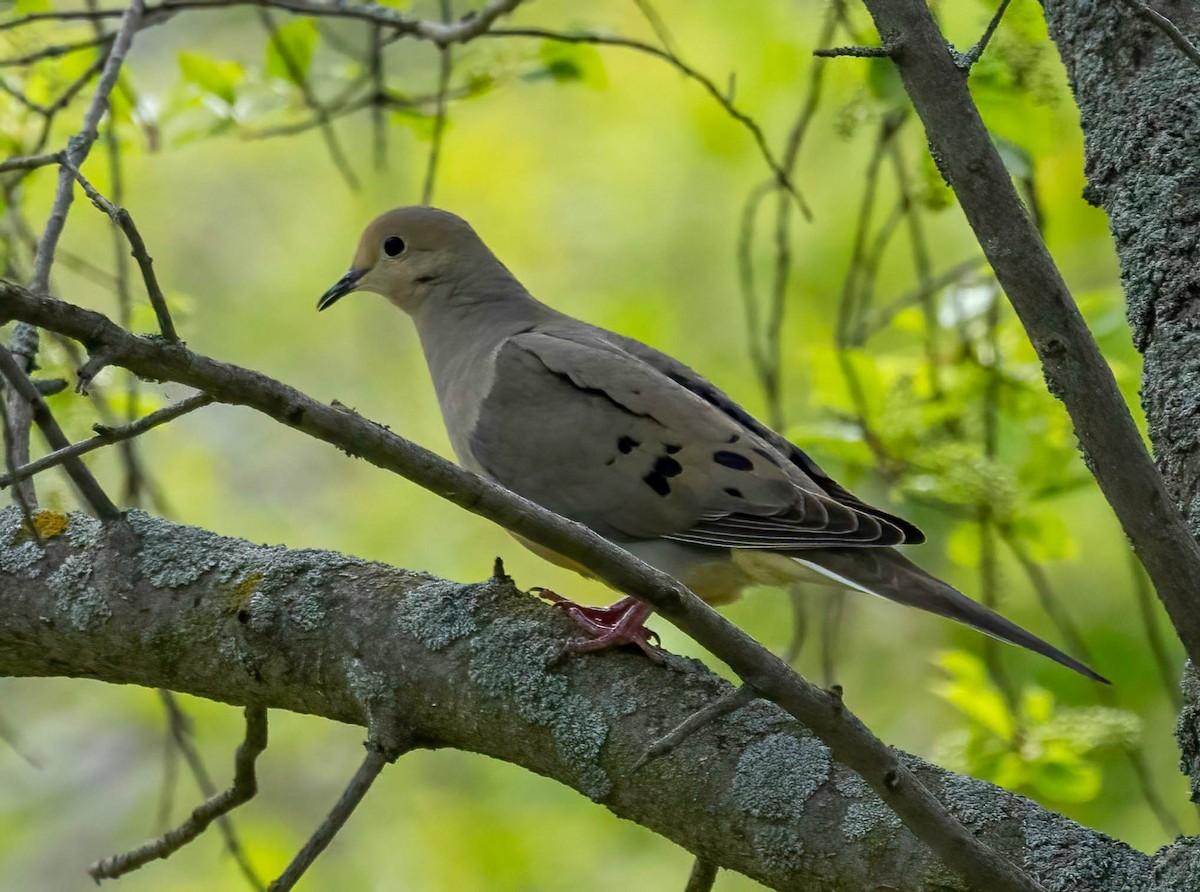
476 667
1139 102
851 741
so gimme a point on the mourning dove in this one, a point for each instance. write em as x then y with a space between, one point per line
618 436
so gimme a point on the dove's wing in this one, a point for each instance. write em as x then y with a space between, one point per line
697 384
579 424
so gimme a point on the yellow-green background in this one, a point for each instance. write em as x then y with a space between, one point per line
616 199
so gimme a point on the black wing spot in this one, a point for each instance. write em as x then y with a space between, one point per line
658 483
667 467
733 438
733 460
671 448
735 492
627 445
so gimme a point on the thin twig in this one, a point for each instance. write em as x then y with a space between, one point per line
132 490
80 145
1068 628
398 23
799 623
971 56
882 316
242 790
374 762
703 877
121 217
989 563
445 64
24 389
849 740
922 264
30 162
179 729
731 702
53 52
24 496
657 24
379 129
1170 671
1168 28
687 71
833 616
106 436
857 52
20 416
300 79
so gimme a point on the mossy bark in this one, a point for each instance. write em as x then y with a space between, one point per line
479 668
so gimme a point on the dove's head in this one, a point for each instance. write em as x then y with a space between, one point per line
412 254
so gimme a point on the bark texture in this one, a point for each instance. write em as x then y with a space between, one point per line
476 667
1139 103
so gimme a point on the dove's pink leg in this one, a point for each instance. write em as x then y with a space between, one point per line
622 623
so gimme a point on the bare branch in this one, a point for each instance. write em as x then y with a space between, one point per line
474 667
971 56
320 112
704 876
53 52
179 731
25 390
121 217
106 436
1168 28
242 790
445 65
400 25
857 52
850 741
375 761
30 162
687 71
1075 369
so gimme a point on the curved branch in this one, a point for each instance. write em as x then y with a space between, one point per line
1076 371
851 741
477 667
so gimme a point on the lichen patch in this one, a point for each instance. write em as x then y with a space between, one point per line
509 661
74 596
865 811
778 774
439 613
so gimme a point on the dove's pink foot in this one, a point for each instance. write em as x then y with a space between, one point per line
622 623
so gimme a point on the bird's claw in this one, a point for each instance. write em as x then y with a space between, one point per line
607 627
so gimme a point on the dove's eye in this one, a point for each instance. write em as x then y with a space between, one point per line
393 246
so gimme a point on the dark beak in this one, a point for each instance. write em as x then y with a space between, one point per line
341 288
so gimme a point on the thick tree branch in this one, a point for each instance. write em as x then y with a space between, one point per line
477 667
1139 100
1076 372
850 740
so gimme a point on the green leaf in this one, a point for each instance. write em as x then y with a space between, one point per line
290 51
1063 776
971 692
567 62
215 77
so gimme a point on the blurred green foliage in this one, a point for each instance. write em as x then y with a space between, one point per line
902 370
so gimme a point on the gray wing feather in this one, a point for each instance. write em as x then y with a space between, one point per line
611 441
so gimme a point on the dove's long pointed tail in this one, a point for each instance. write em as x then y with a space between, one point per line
886 573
